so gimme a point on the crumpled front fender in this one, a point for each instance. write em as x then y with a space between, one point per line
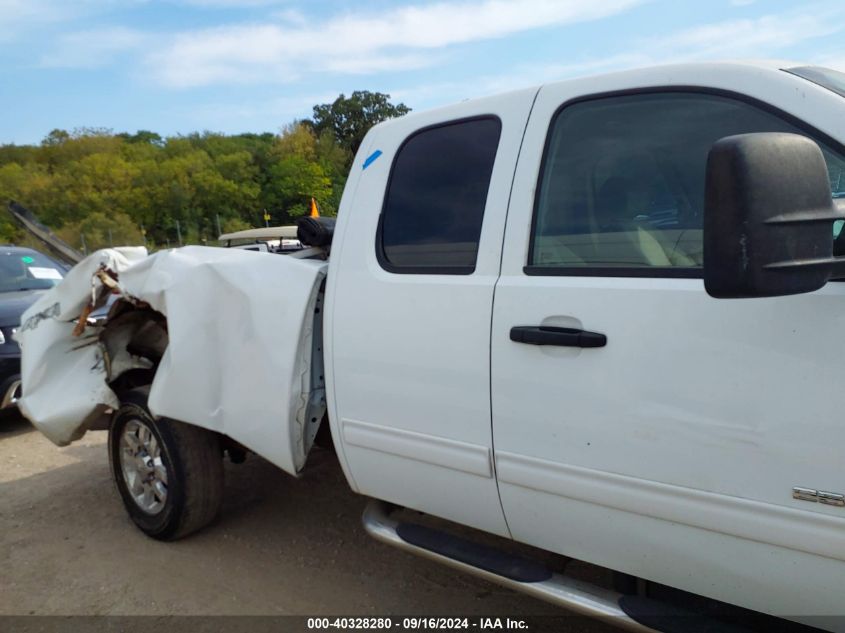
240 327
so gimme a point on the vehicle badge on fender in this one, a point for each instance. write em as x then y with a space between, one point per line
818 496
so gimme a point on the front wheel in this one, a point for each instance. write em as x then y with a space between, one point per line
169 474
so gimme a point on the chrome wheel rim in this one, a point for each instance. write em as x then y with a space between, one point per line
142 467
12 395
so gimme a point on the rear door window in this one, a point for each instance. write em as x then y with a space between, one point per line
434 206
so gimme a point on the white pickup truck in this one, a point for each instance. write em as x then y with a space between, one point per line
592 317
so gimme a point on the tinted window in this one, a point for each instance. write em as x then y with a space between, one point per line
623 179
436 195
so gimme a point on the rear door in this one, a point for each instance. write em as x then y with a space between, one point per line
639 423
411 289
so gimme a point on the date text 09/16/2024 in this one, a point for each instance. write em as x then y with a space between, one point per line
416 623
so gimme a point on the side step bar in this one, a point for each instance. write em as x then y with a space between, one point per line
528 576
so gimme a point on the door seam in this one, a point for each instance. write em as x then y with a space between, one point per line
493 310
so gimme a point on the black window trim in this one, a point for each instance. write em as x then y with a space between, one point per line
431 270
663 272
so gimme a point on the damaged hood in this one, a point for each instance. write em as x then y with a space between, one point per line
240 328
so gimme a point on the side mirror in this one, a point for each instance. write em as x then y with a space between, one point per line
768 217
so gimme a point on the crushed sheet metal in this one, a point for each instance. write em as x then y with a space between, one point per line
63 375
238 323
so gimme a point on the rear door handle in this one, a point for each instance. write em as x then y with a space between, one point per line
562 336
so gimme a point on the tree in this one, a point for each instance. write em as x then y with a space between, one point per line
293 182
101 230
335 161
143 136
108 186
296 173
55 137
296 139
349 119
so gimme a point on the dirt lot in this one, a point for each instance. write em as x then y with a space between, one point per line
280 546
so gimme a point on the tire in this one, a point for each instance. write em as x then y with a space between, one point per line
168 473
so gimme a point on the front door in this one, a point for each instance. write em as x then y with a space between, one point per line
639 423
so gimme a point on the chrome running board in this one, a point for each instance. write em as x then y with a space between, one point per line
515 573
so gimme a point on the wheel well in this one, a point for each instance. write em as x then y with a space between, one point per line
133 343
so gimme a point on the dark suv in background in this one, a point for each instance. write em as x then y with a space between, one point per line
24 275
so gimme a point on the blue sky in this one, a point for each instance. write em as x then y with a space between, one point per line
177 66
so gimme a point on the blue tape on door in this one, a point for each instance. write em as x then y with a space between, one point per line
371 158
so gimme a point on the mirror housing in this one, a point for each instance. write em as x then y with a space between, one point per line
768 217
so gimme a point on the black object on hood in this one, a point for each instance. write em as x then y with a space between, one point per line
315 231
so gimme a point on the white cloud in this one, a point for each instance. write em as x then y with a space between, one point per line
446 23
759 37
18 15
94 48
229 4
765 37
290 46
394 39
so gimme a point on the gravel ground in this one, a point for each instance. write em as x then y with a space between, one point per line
281 546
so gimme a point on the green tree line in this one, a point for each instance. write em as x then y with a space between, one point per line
96 188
